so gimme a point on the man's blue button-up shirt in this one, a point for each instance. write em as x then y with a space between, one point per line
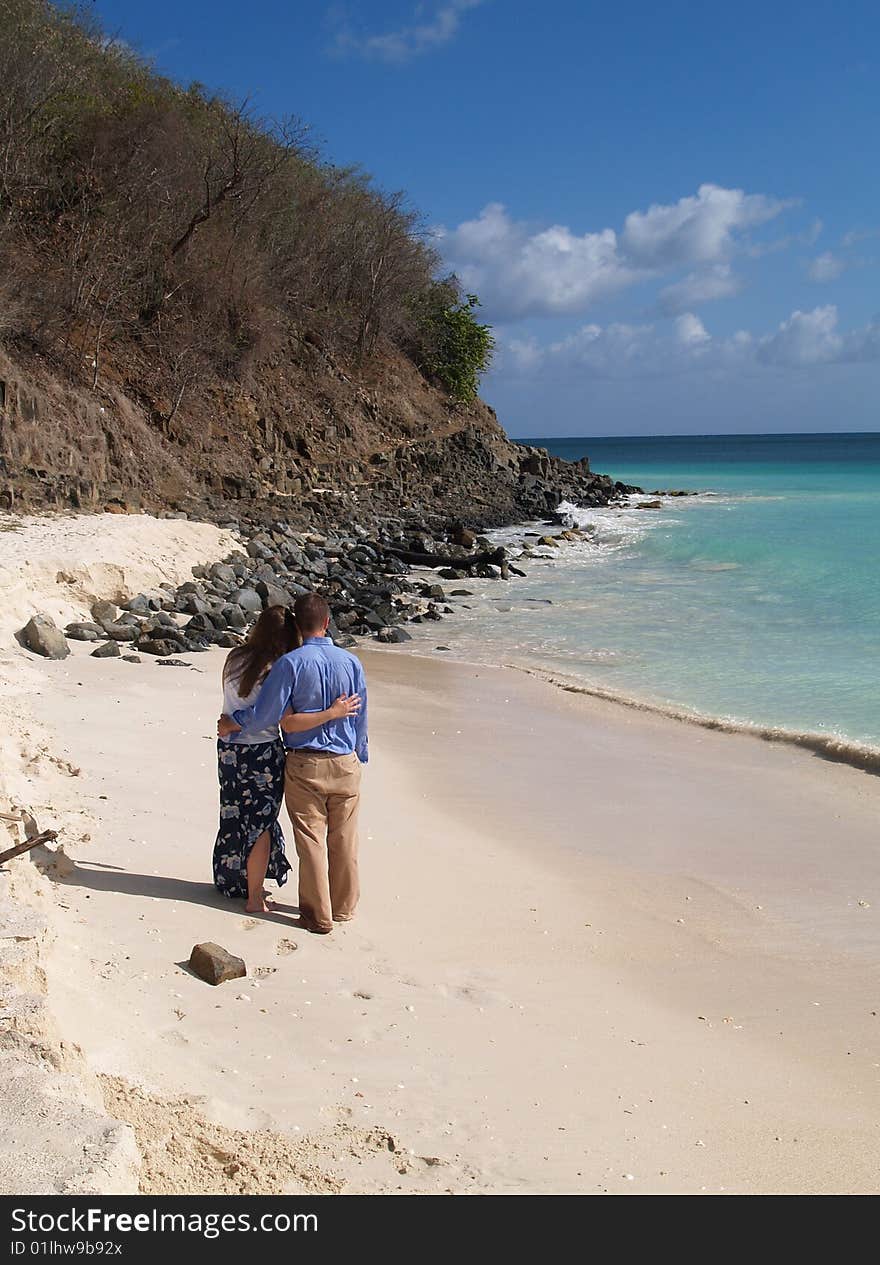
310 679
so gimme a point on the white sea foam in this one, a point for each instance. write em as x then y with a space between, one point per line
611 526
607 529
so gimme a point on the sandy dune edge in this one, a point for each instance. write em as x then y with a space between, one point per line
57 565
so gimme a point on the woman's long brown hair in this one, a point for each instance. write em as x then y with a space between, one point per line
274 634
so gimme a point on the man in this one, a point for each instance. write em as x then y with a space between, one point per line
323 768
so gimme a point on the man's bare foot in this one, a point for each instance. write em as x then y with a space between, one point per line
257 907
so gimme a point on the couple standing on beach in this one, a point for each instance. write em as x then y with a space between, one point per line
290 674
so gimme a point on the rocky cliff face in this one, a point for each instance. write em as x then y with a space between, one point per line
307 435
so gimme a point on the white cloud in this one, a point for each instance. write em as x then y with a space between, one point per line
813 338
409 41
690 330
717 282
623 351
826 267
859 235
805 338
695 229
519 270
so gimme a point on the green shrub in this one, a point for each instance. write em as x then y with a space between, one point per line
453 347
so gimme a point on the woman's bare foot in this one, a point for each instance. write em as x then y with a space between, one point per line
257 907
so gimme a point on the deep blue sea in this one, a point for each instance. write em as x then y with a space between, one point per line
757 601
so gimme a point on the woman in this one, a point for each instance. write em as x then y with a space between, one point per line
250 843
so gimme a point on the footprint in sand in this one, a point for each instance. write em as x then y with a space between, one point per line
261 972
283 947
173 1037
249 923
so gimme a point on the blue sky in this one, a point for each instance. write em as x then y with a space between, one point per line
670 211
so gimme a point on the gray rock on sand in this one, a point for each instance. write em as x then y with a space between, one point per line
271 594
122 632
43 636
248 600
107 650
131 658
104 612
82 632
157 646
138 605
391 636
215 965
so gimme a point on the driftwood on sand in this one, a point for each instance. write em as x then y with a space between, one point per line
34 835
488 558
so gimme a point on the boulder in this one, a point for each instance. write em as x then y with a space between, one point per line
649 505
157 646
139 605
104 612
391 636
122 632
131 658
271 594
450 573
200 623
43 636
195 605
107 650
248 600
234 617
83 632
463 537
215 965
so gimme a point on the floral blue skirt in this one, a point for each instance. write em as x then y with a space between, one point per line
251 791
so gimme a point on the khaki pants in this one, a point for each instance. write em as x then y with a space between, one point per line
322 793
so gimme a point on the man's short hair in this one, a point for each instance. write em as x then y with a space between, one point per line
311 612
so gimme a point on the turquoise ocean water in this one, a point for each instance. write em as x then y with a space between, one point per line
757 601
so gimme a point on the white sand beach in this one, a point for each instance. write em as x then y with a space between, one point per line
597 950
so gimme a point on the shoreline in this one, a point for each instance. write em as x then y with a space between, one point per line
834 745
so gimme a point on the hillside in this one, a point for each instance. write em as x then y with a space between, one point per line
197 309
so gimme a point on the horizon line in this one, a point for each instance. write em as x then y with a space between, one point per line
731 434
